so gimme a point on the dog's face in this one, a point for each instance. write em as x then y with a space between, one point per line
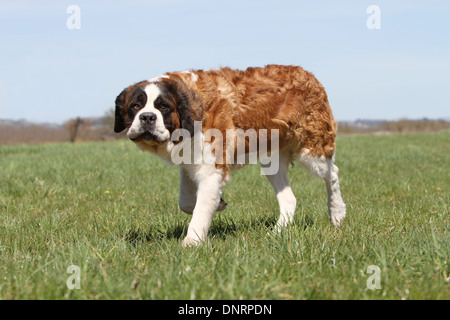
151 111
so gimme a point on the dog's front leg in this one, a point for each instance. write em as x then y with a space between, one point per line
210 184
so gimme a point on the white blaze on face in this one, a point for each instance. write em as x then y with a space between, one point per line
159 129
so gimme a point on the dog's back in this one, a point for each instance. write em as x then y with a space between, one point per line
286 98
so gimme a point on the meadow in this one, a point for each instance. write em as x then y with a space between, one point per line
112 211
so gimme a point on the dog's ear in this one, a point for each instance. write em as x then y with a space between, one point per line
184 112
119 124
183 107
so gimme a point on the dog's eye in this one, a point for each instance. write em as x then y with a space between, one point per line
163 107
135 107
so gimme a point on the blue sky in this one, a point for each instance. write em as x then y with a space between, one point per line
49 73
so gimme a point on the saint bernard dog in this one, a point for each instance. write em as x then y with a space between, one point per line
286 100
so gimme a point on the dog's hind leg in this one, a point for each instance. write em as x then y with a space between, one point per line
188 192
283 191
222 204
327 170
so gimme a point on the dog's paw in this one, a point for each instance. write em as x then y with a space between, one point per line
222 205
279 228
191 242
337 215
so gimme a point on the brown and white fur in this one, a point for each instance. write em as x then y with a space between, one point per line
286 98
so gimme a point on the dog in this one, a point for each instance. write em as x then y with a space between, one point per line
179 110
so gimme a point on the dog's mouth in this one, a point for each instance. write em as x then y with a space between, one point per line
145 137
148 136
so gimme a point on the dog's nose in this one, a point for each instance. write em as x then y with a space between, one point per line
148 117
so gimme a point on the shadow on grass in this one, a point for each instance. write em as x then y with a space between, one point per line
138 235
221 227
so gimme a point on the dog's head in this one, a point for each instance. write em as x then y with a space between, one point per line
152 110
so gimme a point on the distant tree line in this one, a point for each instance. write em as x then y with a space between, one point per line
89 129
397 126
101 129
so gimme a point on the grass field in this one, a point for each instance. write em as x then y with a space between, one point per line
112 210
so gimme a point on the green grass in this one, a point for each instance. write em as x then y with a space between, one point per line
112 210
